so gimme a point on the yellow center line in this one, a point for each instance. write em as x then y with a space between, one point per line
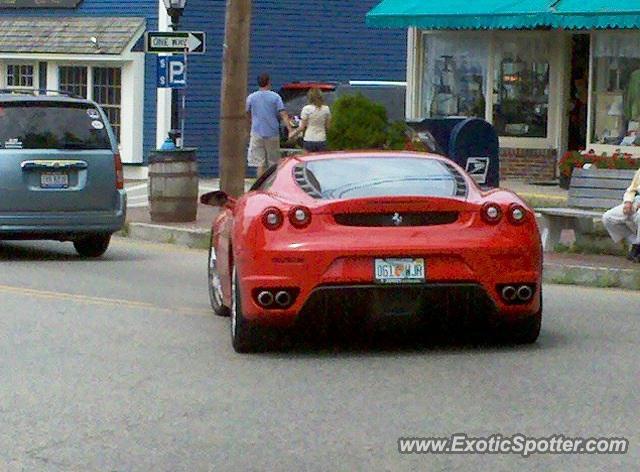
44 294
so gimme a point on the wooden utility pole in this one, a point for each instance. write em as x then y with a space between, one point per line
233 122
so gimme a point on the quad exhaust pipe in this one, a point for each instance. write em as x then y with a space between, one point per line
509 293
271 299
283 298
265 298
525 293
516 293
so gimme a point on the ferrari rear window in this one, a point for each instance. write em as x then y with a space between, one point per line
361 177
51 125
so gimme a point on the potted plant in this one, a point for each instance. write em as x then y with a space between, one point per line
569 161
573 159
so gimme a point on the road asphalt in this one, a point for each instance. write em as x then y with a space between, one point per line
118 365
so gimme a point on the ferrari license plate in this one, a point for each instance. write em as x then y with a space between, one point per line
399 271
54 180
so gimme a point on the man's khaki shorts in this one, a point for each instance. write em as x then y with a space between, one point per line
263 151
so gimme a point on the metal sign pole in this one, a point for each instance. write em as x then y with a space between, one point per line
184 99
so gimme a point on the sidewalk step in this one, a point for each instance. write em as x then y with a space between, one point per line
197 238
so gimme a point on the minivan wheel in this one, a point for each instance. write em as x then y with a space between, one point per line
94 245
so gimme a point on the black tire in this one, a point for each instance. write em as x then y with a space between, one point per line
215 294
525 331
245 336
94 245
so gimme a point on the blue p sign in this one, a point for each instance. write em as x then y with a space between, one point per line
176 73
172 72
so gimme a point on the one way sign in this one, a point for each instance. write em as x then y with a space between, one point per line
190 42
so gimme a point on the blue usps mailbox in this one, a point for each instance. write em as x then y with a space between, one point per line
471 143
172 72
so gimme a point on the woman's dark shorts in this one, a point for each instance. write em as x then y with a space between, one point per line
314 146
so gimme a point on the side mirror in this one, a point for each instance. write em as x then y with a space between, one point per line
217 199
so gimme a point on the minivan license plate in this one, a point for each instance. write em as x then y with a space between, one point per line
54 180
399 271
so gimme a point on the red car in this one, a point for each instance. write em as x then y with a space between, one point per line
373 235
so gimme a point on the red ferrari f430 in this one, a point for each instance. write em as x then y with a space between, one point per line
373 235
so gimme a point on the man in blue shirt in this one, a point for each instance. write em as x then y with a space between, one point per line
264 107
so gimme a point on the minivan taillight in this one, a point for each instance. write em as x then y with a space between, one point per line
119 171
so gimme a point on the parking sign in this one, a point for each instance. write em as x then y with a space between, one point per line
172 72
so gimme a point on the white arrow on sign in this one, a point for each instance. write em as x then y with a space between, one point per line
193 43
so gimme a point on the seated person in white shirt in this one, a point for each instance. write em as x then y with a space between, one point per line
623 221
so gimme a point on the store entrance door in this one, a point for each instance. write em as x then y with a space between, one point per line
579 95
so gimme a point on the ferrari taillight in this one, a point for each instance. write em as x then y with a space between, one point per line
300 217
491 213
272 218
516 214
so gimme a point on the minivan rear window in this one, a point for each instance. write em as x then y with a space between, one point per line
51 125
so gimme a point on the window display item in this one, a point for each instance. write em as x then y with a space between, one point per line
632 97
454 74
616 88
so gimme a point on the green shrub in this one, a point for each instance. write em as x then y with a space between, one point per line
357 123
397 136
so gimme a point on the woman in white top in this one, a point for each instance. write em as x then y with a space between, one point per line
315 121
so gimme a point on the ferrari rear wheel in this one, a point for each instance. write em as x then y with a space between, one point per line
215 286
245 335
525 331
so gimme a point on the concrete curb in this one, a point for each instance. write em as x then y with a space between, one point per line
189 237
553 272
592 276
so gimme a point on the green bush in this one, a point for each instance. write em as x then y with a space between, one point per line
397 136
357 123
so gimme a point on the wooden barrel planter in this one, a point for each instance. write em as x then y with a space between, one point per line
173 185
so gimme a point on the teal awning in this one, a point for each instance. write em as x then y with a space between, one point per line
506 14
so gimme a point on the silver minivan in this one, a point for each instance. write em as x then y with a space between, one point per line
61 176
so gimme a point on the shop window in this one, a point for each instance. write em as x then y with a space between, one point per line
73 79
107 88
20 75
455 70
616 91
521 87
